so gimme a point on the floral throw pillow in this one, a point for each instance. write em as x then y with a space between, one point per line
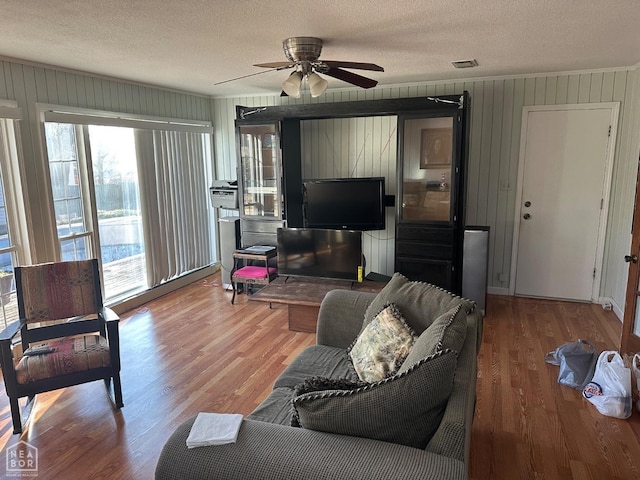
382 345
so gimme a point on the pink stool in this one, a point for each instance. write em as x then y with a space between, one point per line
251 275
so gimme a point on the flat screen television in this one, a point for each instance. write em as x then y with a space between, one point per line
344 203
325 253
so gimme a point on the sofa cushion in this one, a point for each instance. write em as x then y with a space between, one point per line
276 408
317 361
420 303
405 408
382 345
448 331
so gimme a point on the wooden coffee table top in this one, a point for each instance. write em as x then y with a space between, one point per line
308 291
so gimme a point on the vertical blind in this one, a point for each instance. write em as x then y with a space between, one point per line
173 181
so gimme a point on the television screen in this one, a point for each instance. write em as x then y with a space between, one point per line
345 203
319 253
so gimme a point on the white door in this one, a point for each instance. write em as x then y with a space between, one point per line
563 192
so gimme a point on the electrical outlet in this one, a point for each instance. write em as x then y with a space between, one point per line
502 277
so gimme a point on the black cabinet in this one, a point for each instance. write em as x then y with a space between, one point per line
267 176
432 153
260 183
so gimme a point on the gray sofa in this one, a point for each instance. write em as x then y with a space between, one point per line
268 447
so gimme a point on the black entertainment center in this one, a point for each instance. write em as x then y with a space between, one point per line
430 191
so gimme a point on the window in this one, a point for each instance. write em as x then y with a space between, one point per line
100 195
119 215
72 227
13 238
135 198
7 250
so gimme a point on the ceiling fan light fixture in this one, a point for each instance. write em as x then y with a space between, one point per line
317 84
291 86
303 54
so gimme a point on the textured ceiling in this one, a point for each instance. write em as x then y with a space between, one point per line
193 44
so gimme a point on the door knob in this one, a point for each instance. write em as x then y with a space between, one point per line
526 216
631 258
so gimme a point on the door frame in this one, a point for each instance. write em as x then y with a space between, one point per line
614 107
629 341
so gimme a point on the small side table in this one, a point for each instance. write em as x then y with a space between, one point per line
252 274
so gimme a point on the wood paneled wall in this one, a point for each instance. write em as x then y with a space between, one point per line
496 116
30 85
365 147
356 147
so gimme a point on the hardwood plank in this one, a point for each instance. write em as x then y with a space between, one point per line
186 352
193 351
526 424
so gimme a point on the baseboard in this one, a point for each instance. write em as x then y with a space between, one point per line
163 289
614 306
602 300
617 310
497 291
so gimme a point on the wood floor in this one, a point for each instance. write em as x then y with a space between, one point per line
193 351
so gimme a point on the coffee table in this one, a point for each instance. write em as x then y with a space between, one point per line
303 295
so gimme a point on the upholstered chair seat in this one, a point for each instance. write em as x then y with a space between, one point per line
68 355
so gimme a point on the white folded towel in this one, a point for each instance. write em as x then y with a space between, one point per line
214 429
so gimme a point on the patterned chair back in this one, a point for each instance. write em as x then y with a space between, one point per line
53 291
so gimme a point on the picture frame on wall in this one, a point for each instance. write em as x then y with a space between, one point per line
435 147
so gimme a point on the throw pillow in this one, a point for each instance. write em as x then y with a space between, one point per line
421 303
448 331
406 408
382 345
318 384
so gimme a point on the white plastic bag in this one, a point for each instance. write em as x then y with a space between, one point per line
610 388
635 370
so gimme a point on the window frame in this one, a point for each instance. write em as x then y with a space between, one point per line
13 186
82 118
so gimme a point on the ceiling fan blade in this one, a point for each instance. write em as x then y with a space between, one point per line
245 76
278 65
356 65
350 77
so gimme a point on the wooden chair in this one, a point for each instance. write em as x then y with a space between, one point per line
68 337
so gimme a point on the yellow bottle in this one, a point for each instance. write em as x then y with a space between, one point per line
360 273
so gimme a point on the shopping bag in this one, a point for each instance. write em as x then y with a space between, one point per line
577 361
635 373
610 388
633 362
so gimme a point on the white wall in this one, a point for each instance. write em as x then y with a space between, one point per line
496 115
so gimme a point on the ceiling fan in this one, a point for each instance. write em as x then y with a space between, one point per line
303 54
